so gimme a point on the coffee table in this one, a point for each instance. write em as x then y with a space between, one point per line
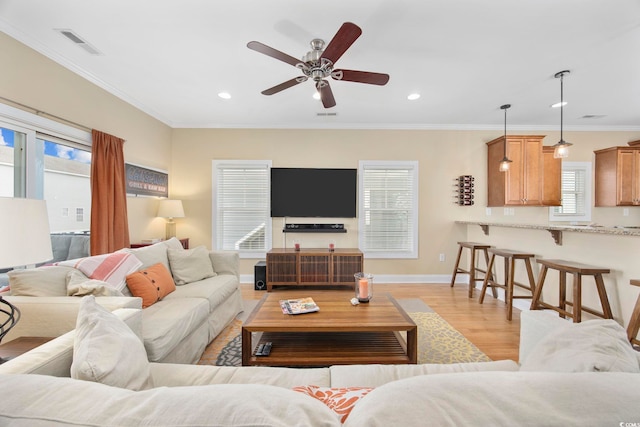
338 334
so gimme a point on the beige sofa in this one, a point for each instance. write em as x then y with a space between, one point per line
176 329
499 393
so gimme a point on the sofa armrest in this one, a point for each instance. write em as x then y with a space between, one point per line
225 262
54 316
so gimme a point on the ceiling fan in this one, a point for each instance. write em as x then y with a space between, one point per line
318 64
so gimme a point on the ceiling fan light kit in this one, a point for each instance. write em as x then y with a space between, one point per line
318 64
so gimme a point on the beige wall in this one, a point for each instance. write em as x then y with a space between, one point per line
32 79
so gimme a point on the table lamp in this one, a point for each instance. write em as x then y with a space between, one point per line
170 209
26 240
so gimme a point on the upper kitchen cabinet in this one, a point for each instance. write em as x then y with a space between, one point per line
617 176
533 178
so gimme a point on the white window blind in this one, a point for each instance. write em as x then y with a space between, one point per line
388 209
241 213
576 193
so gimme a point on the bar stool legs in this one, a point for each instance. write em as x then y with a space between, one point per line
510 258
473 271
634 322
577 270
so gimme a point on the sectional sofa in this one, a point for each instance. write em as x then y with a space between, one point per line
555 384
187 296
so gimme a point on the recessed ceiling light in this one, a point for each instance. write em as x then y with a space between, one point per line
559 104
224 95
413 96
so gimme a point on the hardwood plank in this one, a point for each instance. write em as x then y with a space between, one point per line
485 325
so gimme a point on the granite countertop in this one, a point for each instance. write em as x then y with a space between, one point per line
556 230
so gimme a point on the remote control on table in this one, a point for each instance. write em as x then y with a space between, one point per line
259 350
267 349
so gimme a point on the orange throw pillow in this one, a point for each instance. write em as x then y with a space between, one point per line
151 284
340 400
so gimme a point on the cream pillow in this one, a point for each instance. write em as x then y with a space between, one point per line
107 351
48 281
79 285
190 265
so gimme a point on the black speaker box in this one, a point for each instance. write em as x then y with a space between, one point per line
260 276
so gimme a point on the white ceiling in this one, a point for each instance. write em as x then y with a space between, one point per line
465 57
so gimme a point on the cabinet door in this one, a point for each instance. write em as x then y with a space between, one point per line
281 269
626 177
533 170
314 269
552 178
514 190
344 268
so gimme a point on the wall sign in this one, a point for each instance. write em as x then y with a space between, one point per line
146 182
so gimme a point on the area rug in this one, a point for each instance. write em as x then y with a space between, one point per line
438 341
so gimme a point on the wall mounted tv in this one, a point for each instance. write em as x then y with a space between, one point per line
307 192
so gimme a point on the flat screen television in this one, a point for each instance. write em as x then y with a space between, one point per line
308 192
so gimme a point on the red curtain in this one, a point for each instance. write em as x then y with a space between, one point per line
109 223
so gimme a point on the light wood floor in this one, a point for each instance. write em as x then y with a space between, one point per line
485 324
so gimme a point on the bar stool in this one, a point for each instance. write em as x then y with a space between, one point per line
634 322
510 258
577 270
473 268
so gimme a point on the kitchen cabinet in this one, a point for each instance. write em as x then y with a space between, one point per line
617 176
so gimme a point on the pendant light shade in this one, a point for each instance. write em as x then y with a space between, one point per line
505 163
562 147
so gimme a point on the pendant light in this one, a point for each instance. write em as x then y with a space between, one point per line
562 147
505 163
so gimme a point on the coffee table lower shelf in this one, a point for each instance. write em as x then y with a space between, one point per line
332 348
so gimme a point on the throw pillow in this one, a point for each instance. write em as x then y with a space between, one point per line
151 284
49 281
107 351
150 255
190 265
593 345
112 268
79 285
340 400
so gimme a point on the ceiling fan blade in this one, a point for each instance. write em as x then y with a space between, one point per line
361 77
269 51
344 38
285 85
326 95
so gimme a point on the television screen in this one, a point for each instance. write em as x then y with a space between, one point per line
325 193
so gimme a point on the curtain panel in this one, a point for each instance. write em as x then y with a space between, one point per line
109 222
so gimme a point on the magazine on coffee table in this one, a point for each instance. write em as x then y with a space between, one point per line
298 306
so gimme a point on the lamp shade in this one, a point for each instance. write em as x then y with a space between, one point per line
170 209
24 232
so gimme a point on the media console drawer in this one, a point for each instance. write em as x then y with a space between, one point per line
316 267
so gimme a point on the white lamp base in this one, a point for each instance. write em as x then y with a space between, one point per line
170 229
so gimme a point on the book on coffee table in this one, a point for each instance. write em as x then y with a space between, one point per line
298 306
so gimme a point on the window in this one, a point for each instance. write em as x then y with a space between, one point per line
576 193
241 212
43 159
388 209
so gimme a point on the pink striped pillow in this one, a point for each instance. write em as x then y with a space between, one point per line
111 268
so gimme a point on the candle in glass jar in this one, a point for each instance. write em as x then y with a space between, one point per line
363 288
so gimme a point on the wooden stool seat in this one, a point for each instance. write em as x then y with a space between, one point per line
473 267
577 270
510 258
634 322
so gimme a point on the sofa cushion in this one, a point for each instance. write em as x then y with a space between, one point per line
46 281
67 402
79 247
112 268
190 265
107 351
168 322
593 345
79 285
215 290
151 284
150 255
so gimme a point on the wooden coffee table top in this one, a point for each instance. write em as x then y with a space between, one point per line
337 314
340 333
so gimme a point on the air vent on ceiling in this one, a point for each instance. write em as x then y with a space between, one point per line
78 41
593 116
326 114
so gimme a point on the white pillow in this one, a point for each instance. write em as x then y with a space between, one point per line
79 285
107 351
190 265
593 345
112 268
